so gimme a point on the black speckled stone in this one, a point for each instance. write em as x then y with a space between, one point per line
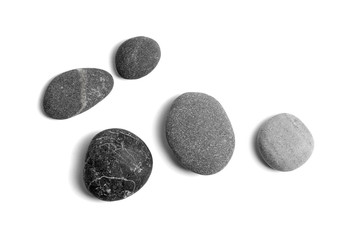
137 57
76 91
117 164
200 133
284 142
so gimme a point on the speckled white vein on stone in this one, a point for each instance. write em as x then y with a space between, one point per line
83 96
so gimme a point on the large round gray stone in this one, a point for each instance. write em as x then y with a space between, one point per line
284 142
199 133
76 91
137 57
117 164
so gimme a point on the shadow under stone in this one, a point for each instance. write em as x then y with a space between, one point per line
79 158
255 147
113 58
161 135
41 98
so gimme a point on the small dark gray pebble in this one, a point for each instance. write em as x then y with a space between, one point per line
117 165
284 142
199 133
76 91
137 57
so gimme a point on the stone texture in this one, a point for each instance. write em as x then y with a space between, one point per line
76 91
117 165
200 133
284 142
137 57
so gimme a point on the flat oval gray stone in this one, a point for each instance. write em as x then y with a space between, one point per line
199 133
117 164
76 91
284 142
137 57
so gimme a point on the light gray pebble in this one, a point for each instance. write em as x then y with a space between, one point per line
284 142
199 133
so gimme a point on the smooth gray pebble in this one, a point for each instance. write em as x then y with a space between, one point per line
284 142
137 57
76 91
199 133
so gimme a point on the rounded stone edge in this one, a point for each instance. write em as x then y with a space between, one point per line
258 145
44 103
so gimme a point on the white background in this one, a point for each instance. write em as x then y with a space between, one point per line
257 58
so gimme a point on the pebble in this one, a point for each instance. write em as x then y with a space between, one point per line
199 133
76 91
117 164
137 57
284 142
